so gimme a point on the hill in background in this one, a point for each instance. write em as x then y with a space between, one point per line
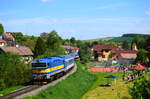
125 37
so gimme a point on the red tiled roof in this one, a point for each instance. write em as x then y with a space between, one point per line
113 49
70 47
2 41
21 50
8 35
98 48
128 55
125 51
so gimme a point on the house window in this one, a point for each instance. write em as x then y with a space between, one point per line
103 56
107 51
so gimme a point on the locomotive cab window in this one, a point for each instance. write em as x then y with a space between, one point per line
38 64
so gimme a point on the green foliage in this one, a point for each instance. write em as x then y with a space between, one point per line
53 40
142 56
54 45
136 39
73 41
147 44
1 29
121 39
25 40
134 35
13 70
66 42
125 45
84 53
141 89
71 88
19 37
40 47
56 52
2 84
139 42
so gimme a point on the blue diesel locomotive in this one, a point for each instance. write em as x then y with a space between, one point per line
48 68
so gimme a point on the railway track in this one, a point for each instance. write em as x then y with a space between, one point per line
20 92
34 89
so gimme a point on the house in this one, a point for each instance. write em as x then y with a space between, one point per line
2 42
69 49
103 52
7 37
22 51
127 58
106 52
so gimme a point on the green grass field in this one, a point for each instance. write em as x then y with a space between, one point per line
74 87
115 91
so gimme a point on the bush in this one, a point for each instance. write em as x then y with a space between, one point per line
141 89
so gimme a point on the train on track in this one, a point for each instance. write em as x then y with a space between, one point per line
49 68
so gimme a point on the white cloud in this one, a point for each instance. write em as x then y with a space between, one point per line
148 12
46 1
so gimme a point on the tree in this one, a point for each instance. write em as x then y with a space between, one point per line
53 40
142 56
125 45
54 44
1 29
84 53
137 41
140 88
141 44
147 46
73 41
39 47
13 71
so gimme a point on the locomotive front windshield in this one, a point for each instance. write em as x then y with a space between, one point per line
38 64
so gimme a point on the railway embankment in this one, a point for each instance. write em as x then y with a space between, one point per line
73 87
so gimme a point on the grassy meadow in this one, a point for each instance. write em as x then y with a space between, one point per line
115 91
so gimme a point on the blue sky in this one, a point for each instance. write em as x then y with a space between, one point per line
82 19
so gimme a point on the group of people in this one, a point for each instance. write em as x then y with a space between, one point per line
133 75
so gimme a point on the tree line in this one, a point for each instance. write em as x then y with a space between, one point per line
13 71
